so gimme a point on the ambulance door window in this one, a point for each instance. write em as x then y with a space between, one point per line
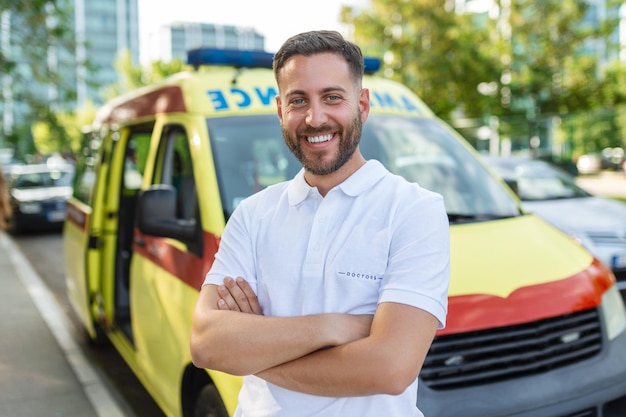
85 173
177 170
135 157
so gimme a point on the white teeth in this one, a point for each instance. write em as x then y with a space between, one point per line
319 139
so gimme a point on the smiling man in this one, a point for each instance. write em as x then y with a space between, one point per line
327 290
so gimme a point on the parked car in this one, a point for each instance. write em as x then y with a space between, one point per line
589 164
39 195
599 223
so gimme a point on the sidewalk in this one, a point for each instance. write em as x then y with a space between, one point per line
43 371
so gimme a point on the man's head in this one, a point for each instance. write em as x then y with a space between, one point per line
321 102
317 42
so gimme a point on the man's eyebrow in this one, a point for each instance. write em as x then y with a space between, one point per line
295 93
322 91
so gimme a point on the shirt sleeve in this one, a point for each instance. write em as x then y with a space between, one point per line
418 271
235 256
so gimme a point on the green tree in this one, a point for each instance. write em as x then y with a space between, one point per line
529 63
71 123
132 76
441 55
40 89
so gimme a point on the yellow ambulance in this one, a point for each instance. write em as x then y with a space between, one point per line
535 325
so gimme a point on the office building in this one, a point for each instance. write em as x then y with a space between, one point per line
108 27
102 29
176 39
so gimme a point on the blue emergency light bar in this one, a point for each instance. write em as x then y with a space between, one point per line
372 64
240 58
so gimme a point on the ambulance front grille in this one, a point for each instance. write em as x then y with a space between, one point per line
486 356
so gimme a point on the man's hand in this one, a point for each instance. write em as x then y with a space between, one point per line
236 295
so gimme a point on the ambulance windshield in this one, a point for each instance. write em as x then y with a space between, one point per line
250 154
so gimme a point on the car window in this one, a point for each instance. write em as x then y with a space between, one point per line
175 168
85 177
250 154
36 179
537 180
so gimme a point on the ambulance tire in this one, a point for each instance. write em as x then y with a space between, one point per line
209 403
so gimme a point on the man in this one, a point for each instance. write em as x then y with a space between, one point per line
341 274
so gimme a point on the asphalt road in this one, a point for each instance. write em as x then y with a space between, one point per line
45 252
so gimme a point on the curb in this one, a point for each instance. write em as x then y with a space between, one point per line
100 397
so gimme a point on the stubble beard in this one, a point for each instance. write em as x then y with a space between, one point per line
315 164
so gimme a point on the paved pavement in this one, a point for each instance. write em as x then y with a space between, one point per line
43 371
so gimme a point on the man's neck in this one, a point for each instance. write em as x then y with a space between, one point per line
325 183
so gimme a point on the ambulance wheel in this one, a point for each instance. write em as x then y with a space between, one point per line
209 403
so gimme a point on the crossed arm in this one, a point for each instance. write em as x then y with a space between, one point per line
332 354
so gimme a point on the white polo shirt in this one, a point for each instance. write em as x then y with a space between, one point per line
374 238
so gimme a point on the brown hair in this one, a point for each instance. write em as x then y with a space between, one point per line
317 42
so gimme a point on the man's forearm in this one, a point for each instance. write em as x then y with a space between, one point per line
243 344
340 371
386 362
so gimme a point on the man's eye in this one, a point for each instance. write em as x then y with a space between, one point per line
333 97
297 101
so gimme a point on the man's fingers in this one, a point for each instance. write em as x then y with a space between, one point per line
251 297
227 302
238 295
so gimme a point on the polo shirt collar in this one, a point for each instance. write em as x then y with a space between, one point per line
364 178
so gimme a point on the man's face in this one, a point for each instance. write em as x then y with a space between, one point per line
321 110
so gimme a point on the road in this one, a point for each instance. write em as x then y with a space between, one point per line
45 253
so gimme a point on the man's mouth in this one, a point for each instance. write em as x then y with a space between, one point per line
320 138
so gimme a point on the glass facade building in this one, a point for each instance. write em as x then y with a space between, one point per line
108 27
178 38
102 29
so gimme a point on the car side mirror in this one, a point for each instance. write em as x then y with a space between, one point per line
156 214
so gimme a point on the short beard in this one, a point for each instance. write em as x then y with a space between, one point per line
349 141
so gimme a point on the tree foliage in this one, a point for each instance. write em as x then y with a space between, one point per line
36 59
528 63
132 76
440 54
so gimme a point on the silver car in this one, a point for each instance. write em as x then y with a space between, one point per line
598 223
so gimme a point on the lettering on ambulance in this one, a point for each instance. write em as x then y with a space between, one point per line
385 101
239 98
578 292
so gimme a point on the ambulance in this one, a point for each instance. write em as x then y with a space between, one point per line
535 325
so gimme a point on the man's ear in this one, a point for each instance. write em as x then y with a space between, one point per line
364 104
279 108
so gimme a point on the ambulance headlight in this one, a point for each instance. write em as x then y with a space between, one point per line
613 313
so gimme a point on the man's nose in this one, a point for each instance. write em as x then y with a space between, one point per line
316 115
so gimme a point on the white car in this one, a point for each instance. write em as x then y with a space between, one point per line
598 223
39 195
